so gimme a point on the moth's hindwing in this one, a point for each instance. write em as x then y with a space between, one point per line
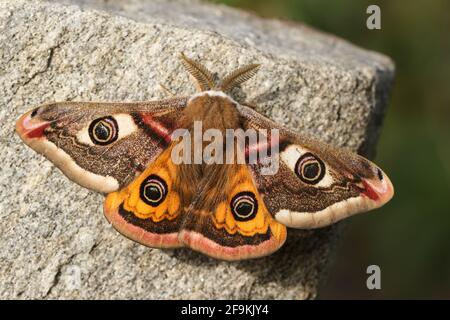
230 221
149 210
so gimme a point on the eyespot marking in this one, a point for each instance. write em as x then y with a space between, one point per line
122 126
103 131
310 169
153 190
291 158
244 206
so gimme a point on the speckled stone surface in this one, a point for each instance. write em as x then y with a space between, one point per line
54 240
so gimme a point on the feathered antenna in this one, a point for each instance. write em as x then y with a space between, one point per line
239 76
204 78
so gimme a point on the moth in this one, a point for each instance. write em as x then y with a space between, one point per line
229 211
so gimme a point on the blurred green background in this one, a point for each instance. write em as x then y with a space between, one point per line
410 237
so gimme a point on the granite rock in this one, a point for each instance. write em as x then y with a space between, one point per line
54 240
